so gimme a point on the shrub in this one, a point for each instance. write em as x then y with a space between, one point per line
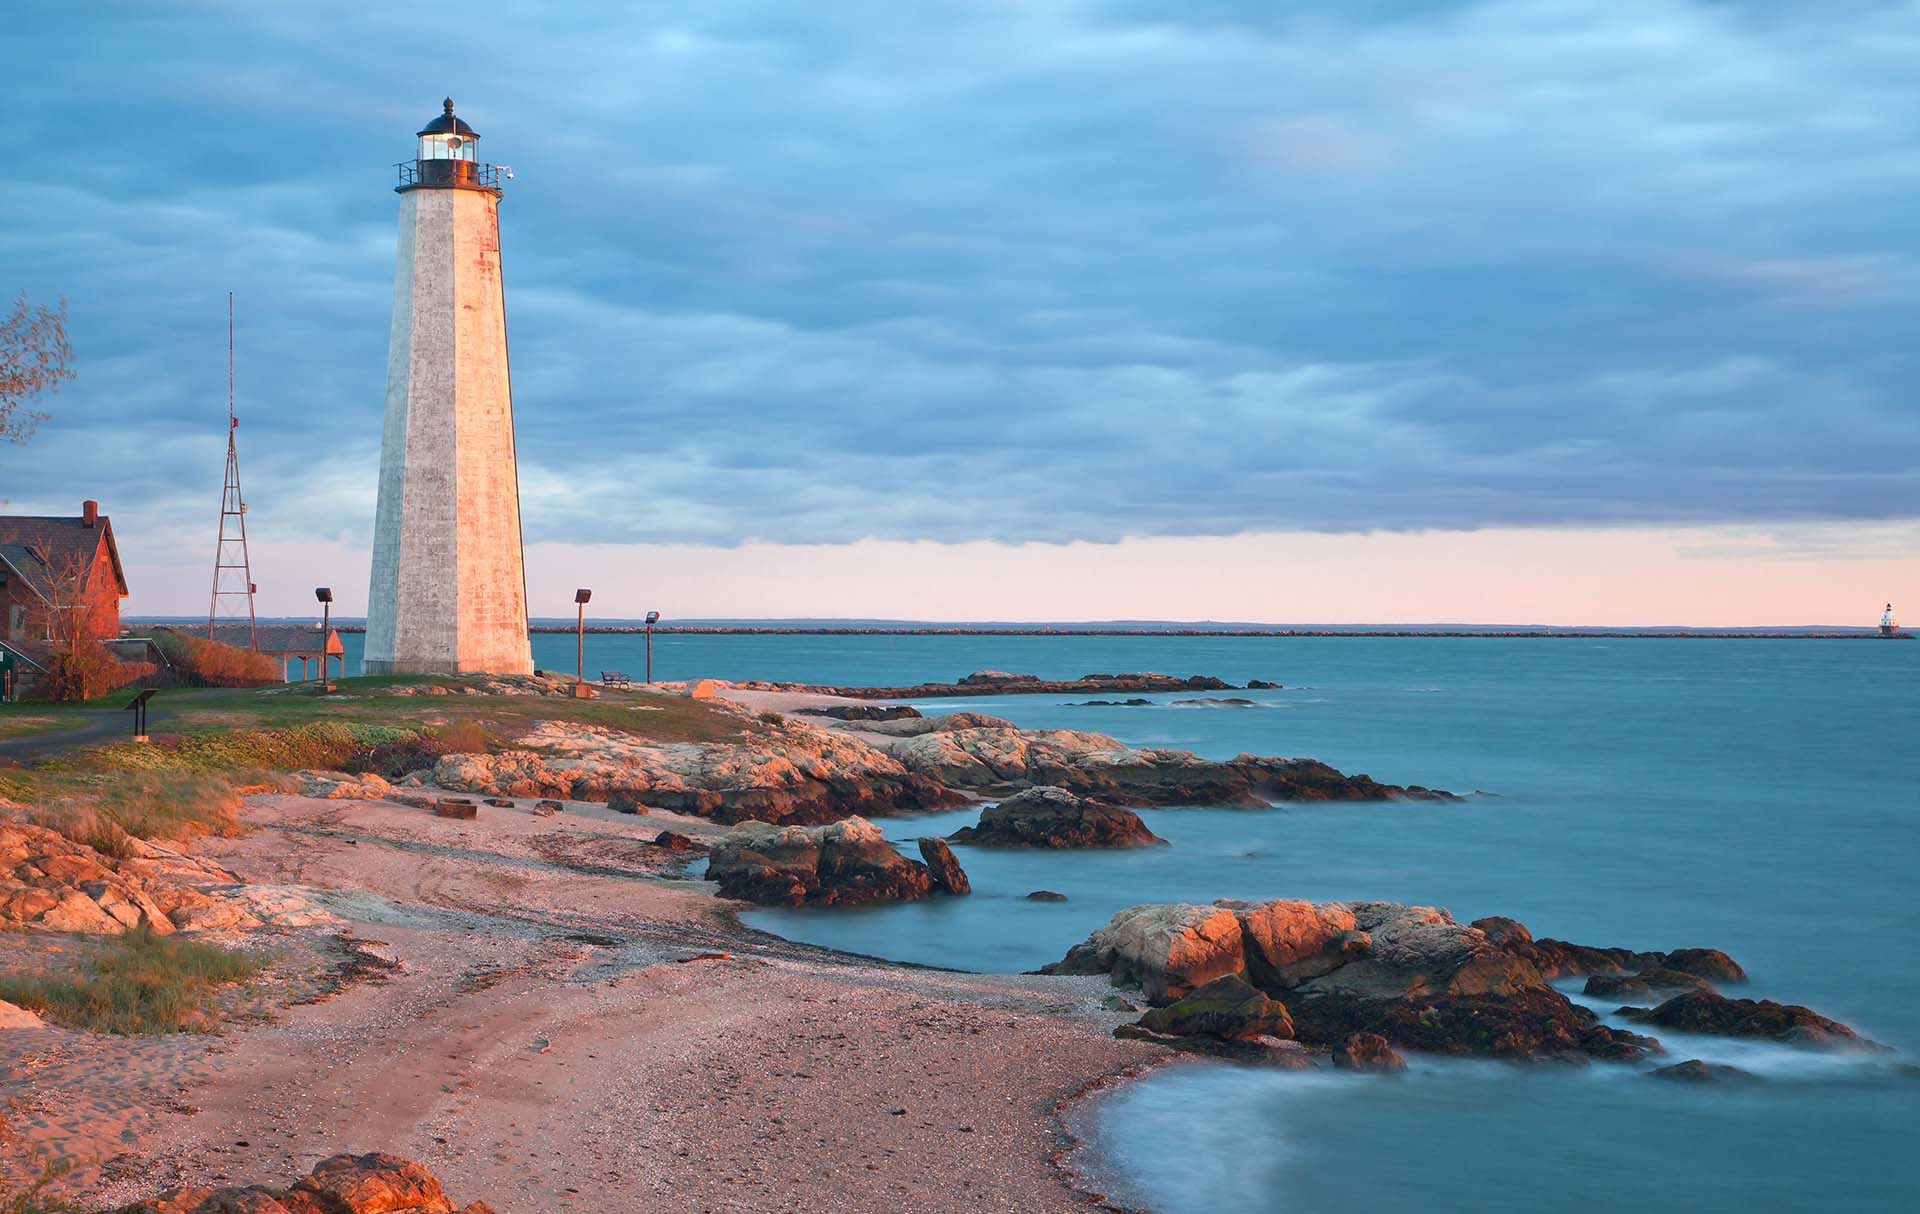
136 983
87 670
318 744
205 663
395 757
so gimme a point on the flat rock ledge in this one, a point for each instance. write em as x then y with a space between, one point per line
842 864
1002 683
805 774
49 882
343 1184
1054 817
988 757
1361 978
791 772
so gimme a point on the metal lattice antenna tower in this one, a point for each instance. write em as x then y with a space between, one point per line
232 571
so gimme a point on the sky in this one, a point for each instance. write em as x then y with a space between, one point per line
1550 311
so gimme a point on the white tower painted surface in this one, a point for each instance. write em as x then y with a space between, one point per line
448 593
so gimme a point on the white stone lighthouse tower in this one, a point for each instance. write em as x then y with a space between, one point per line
449 592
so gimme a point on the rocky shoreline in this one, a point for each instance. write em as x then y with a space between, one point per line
1268 982
1002 683
793 771
561 1002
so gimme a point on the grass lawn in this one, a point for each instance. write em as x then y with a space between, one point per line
213 745
19 721
378 700
136 983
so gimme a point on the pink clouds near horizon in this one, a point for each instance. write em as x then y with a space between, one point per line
1708 576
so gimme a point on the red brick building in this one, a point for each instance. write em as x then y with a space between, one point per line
47 565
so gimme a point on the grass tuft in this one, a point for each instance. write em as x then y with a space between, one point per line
32 1197
135 983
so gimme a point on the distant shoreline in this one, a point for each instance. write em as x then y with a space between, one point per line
550 626
1272 633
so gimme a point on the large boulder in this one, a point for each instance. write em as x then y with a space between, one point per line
13 1016
1368 1052
1648 984
373 1183
1618 973
1529 1023
1054 817
1415 977
1288 942
1415 951
1169 951
1707 1011
1433 984
1708 963
943 866
1695 1071
840 864
1228 1007
252 1199
1411 975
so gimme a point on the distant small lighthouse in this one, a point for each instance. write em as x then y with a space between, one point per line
1888 625
448 594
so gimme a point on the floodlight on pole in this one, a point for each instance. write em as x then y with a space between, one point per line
580 598
324 596
653 617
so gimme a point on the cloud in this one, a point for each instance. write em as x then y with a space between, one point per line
1017 271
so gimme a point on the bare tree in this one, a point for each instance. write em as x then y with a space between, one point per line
74 621
34 359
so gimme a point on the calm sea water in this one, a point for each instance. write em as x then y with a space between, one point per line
1757 796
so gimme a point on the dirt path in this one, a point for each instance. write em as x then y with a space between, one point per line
554 1038
76 730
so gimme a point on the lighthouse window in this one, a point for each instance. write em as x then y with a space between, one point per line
446 147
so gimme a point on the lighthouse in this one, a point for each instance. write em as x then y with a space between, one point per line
448 593
1888 625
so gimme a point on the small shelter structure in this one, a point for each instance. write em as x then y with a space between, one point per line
289 643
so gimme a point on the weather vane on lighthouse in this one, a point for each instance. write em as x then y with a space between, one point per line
448 592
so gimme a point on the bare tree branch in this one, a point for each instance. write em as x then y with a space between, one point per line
34 359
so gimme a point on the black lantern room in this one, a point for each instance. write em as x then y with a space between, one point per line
447 158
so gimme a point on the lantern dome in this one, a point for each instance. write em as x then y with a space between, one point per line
446 123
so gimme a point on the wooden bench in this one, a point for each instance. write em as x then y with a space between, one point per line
613 678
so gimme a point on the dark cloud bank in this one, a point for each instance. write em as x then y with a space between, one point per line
1033 270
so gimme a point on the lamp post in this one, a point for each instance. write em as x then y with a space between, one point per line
653 617
580 598
325 595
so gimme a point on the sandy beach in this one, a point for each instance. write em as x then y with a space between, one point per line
542 1012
